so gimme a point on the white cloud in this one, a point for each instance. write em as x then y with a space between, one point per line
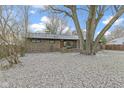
107 20
65 30
107 33
40 27
97 33
32 12
44 19
117 22
37 27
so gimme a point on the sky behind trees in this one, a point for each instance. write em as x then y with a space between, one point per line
37 19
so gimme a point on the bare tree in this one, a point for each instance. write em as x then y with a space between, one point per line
25 15
71 12
9 28
55 24
95 13
117 32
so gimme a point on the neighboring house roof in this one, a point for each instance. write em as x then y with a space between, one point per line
117 41
52 36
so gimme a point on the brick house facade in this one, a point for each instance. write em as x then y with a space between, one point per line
39 42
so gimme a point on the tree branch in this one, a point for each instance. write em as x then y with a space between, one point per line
117 15
60 11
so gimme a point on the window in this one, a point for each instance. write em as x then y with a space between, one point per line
123 43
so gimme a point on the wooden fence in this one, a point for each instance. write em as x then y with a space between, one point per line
114 47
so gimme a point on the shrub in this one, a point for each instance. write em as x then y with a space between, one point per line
22 51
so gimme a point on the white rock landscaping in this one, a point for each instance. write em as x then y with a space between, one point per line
66 70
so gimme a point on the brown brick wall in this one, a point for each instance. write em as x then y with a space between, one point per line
47 45
114 47
43 46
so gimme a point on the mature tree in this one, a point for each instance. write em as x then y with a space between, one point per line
9 33
25 15
95 13
55 24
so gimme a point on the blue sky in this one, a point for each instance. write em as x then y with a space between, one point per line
37 20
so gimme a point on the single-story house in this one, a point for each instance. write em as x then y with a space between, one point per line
41 42
115 44
117 41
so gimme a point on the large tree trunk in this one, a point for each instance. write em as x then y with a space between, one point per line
78 28
91 22
94 16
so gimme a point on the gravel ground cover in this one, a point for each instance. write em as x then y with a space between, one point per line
66 70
